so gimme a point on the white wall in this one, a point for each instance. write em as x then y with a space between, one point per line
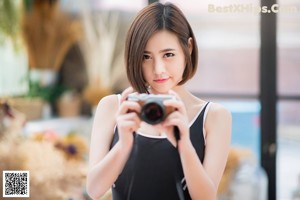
13 71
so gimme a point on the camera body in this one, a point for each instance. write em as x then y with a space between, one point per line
153 110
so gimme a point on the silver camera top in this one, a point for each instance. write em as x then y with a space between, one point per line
144 96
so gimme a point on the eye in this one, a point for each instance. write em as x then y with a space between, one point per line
146 57
167 55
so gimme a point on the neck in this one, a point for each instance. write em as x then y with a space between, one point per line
181 91
186 96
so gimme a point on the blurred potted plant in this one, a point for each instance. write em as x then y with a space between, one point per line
103 56
10 13
48 34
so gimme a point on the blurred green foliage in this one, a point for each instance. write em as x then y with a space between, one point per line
10 21
48 93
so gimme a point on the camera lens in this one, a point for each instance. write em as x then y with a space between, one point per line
153 113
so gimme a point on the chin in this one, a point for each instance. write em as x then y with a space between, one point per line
161 90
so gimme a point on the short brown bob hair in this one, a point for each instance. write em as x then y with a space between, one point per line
151 19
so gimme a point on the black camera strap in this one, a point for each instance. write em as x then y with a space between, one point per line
177 178
176 133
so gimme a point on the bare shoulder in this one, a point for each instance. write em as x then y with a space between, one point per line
219 109
218 115
104 119
108 104
106 111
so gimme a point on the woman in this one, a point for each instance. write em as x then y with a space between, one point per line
142 161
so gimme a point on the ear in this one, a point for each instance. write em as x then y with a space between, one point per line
190 45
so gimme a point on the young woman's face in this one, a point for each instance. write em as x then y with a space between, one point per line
163 62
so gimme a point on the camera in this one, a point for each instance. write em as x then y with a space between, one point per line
153 110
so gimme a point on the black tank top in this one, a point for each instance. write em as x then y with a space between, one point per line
153 170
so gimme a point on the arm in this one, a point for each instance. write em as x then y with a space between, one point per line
105 165
203 180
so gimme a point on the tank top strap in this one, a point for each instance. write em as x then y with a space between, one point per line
119 98
119 103
206 108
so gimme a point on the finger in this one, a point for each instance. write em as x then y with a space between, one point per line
176 120
125 93
171 122
129 106
174 94
130 120
133 116
128 125
129 117
177 104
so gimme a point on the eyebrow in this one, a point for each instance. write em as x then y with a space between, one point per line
161 51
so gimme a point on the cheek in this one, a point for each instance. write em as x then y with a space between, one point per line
146 73
181 65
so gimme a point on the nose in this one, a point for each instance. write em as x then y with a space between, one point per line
159 67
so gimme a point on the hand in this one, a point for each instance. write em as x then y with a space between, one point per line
127 119
177 118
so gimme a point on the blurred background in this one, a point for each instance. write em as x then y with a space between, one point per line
58 58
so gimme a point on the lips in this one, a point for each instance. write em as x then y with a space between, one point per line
161 80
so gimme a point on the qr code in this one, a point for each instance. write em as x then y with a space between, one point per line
15 183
